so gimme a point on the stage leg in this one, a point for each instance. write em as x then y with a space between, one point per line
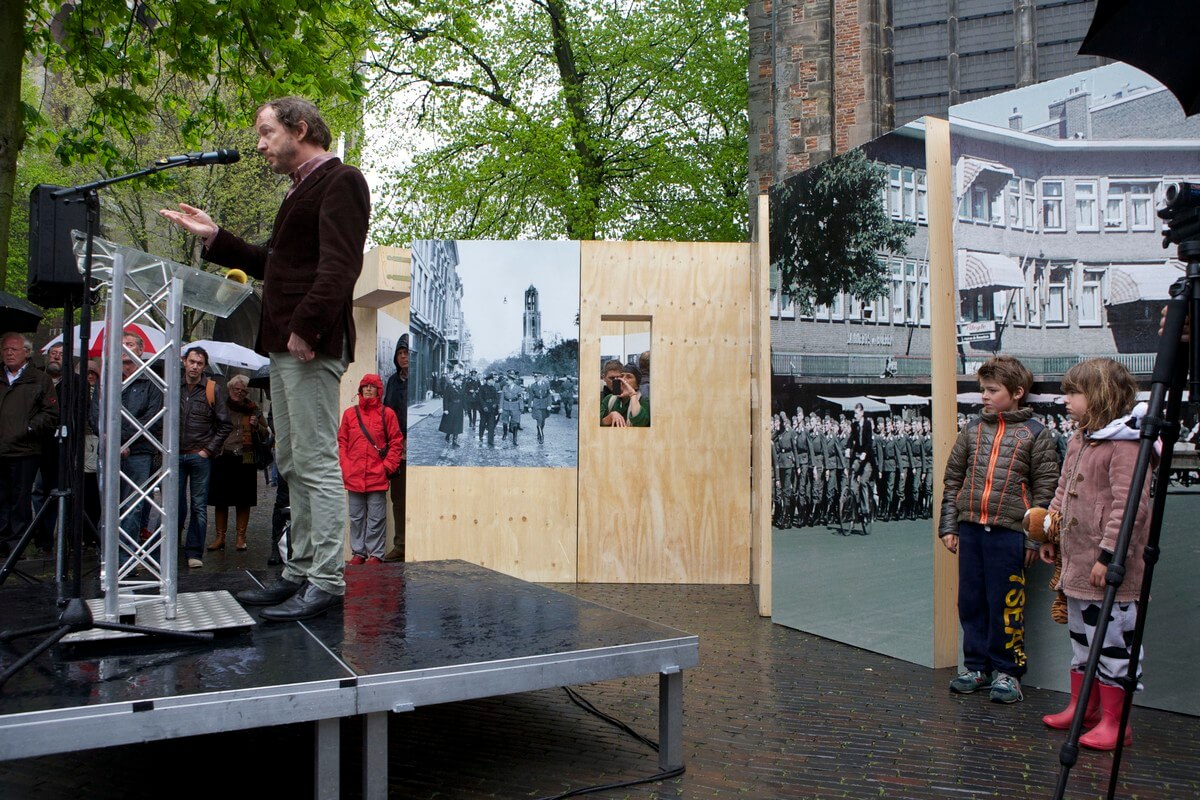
670 720
375 755
326 760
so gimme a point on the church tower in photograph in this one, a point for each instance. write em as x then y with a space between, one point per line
532 328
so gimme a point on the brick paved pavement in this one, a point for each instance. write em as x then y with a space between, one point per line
770 713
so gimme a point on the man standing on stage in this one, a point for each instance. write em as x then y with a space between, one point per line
28 413
309 267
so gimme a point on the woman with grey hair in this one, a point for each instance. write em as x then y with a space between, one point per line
234 480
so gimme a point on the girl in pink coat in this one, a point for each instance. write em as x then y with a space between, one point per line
1095 482
370 447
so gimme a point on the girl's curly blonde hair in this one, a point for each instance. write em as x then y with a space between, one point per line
1109 388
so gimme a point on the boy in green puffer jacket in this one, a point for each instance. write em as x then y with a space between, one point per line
1003 463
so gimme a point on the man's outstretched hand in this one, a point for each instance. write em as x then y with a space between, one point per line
191 219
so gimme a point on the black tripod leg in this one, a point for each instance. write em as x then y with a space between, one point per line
10 563
8 636
167 634
59 632
1170 370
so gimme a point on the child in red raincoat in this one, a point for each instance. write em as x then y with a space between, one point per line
370 447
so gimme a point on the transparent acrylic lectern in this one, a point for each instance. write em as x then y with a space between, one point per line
140 576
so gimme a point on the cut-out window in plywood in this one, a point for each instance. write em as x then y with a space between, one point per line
625 371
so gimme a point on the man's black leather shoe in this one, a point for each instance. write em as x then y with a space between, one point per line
307 603
270 594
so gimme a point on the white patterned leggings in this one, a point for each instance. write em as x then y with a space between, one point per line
1082 617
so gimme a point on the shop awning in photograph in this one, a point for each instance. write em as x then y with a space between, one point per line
1132 283
1144 396
899 400
847 404
970 398
1045 399
971 170
988 271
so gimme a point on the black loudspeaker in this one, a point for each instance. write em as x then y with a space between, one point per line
53 274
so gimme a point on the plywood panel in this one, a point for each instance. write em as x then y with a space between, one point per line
669 504
944 358
760 412
521 522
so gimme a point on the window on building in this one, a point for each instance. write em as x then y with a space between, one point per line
1086 217
922 197
1012 203
1034 304
1052 205
1114 208
1091 297
787 308
894 204
913 288
883 309
976 306
897 291
1000 304
854 308
837 311
980 204
910 194
1057 296
923 275
1141 206
1029 203
1019 300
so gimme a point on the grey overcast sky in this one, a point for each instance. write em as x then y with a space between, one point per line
495 276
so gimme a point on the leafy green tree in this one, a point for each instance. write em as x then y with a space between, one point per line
552 118
828 227
228 56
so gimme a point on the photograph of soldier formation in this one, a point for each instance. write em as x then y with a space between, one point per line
494 358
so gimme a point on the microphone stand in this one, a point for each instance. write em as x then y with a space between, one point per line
76 615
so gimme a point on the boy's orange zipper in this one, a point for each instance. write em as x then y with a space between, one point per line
987 482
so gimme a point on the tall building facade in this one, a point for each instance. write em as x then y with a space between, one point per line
531 323
829 75
435 313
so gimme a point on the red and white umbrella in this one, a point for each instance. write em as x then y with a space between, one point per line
152 338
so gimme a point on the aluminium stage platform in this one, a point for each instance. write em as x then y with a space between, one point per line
408 635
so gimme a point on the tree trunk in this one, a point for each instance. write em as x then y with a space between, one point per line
12 122
583 215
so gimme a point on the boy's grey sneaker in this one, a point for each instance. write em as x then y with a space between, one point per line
1006 689
969 681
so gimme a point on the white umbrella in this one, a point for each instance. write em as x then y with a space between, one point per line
229 354
847 403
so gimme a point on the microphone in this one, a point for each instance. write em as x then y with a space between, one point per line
227 156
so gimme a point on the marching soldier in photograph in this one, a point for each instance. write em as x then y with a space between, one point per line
925 502
539 402
835 463
915 475
903 469
816 443
777 511
471 396
802 498
489 408
889 465
510 406
785 446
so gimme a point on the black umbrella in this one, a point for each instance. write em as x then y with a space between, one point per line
18 315
1159 37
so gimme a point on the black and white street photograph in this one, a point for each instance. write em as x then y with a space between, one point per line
494 371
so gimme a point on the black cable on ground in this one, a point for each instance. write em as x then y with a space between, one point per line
587 706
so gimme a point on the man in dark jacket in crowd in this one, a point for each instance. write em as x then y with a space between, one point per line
395 397
203 426
28 413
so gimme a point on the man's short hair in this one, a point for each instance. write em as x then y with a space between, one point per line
53 347
291 111
1009 373
643 361
137 338
28 345
612 364
199 350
